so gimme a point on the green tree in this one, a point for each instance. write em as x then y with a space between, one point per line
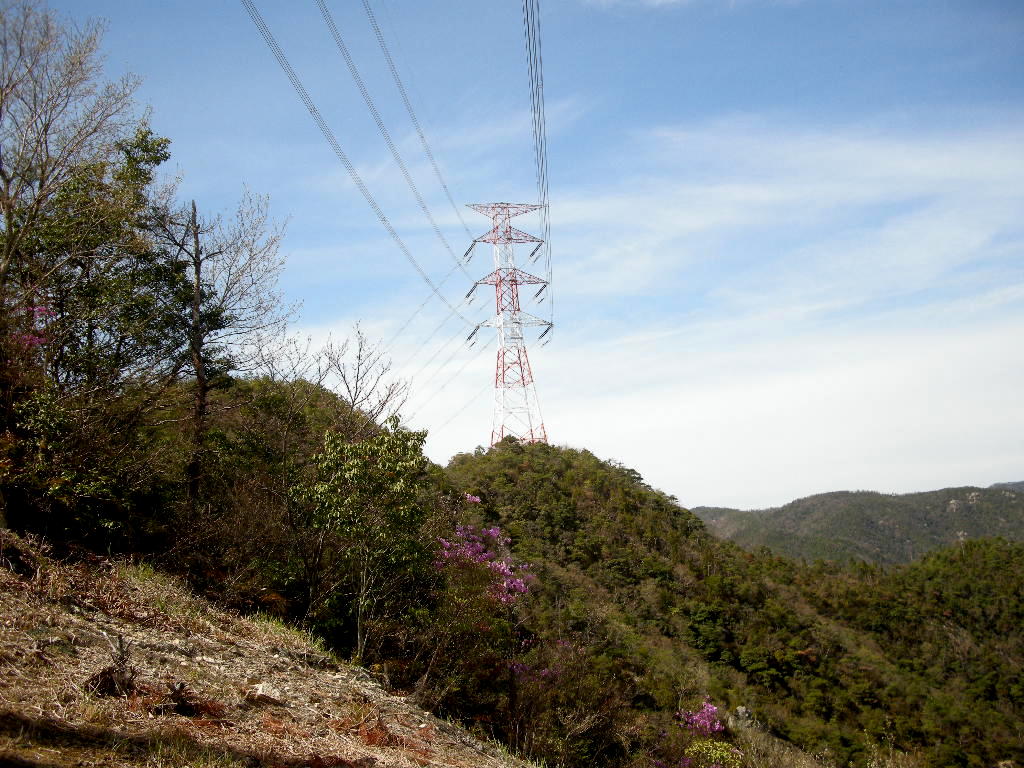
62 132
363 502
96 345
57 117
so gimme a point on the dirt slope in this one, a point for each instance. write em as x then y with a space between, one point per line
107 664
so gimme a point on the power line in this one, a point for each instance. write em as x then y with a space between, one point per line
325 129
438 351
534 57
385 134
412 114
535 68
447 381
401 329
440 368
407 102
464 406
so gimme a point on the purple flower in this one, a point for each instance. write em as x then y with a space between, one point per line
704 721
469 548
30 339
472 499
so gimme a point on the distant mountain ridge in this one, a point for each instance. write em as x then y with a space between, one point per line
1010 486
874 527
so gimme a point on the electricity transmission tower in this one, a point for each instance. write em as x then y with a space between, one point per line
516 408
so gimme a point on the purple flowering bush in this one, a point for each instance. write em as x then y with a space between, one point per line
683 762
699 741
544 663
703 721
472 548
474 633
33 333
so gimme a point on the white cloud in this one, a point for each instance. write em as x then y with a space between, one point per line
734 416
862 205
857 316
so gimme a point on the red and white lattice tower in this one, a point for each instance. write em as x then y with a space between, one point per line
516 408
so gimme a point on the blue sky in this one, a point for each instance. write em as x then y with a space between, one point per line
787 239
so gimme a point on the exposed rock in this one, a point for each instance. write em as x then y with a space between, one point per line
263 694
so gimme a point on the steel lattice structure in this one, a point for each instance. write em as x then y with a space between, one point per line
516 407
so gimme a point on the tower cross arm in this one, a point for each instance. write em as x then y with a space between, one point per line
510 275
522 318
504 233
504 209
534 322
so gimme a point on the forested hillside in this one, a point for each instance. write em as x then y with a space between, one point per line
831 657
874 527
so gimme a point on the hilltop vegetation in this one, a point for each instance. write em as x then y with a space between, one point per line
874 527
1010 486
630 613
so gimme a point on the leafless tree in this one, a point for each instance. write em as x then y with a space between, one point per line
362 373
57 116
234 305
298 372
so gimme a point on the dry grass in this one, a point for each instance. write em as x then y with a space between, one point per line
887 757
204 687
762 750
43 745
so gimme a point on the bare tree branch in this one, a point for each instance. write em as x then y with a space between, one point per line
363 377
234 307
56 117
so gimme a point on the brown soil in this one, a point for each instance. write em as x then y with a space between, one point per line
107 664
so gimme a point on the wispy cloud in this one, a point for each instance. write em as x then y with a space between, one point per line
811 212
755 310
762 311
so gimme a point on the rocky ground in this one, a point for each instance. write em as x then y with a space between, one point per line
109 664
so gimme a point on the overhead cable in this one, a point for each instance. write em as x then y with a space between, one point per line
385 134
401 329
447 381
325 129
412 113
440 349
462 408
535 68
